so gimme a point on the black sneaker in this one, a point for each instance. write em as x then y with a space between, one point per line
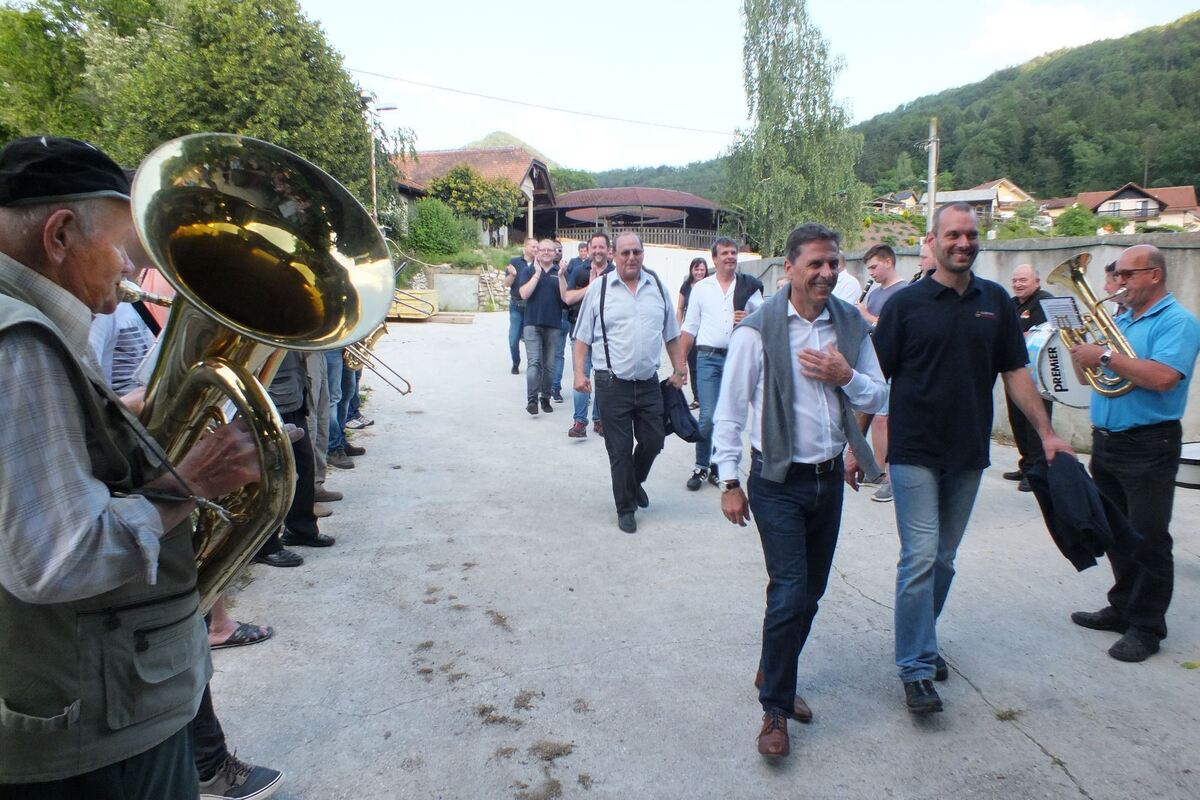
627 523
921 697
712 476
556 396
546 407
1015 475
352 450
1106 619
943 671
1024 486
699 476
237 780
516 370
532 408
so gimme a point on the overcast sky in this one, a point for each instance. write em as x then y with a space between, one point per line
672 63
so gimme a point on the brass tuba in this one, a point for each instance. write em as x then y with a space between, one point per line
265 251
1097 324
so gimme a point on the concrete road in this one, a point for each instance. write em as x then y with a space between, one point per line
482 629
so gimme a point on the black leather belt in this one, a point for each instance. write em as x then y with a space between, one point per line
1167 425
808 469
703 348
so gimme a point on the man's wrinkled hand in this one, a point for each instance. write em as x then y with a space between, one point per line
853 473
826 366
224 460
734 506
582 384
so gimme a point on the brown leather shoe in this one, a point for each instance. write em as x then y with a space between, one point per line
802 712
773 739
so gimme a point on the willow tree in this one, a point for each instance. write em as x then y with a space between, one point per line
796 162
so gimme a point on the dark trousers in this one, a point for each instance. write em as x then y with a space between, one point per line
798 523
1135 470
631 412
164 772
301 518
1029 444
208 740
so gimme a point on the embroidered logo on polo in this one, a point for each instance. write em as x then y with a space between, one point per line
985 315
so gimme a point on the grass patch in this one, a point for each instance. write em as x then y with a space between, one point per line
546 750
1007 714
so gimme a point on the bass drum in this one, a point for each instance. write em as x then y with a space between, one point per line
1053 374
1188 476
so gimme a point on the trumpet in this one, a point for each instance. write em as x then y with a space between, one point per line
130 292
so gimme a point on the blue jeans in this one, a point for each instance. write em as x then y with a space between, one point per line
709 367
334 365
582 398
516 326
352 411
798 524
932 509
349 398
560 355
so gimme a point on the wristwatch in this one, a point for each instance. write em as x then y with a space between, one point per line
1106 358
729 485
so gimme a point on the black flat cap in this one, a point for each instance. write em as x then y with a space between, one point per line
43 169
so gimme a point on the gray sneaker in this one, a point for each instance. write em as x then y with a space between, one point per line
884 493
237 780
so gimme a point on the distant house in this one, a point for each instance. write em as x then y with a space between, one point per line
894 202
527 172
996 199
1167 205
659 216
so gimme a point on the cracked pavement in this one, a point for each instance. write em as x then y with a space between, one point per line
478 564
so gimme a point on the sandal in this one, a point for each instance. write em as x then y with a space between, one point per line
245 634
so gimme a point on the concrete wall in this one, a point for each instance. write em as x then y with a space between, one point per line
458 289
997 260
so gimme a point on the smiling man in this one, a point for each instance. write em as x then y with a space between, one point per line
942 342
1136 440
797 370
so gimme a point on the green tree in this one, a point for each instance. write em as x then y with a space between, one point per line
569 180
1076 221
466 192
796 162
433 229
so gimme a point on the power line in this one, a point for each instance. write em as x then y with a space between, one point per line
540 106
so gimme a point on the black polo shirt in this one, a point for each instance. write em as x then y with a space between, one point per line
544 307
1030 312
514 291
942 353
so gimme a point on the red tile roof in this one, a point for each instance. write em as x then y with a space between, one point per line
490 162
634 196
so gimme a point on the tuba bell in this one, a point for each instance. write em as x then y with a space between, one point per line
265 251
1098 324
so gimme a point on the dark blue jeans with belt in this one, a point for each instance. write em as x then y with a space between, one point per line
798 523
1135 469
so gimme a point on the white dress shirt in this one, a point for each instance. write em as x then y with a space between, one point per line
847 288
638 324
710 312
816 413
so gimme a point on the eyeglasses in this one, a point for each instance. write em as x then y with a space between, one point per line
1124 274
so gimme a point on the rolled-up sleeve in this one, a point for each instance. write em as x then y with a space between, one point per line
63 536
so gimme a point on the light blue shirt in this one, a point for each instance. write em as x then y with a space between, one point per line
638 324
1170 335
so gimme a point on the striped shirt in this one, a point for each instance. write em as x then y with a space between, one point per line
63 536
120 341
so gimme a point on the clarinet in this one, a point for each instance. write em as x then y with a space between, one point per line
866 289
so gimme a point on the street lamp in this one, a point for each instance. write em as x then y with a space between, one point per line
367 101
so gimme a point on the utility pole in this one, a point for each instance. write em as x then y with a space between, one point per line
931 179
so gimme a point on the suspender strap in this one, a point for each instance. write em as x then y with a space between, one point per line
147 318
604 332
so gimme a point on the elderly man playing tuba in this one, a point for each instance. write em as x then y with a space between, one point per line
103 656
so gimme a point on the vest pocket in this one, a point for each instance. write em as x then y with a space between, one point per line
16 722
148 669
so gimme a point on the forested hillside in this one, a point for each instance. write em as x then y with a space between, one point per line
1088 118
705 178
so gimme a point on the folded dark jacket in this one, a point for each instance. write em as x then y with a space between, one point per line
677 419
1082 522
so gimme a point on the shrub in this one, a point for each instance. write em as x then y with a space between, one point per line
433 229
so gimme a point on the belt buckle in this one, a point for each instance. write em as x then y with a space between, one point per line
823 467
